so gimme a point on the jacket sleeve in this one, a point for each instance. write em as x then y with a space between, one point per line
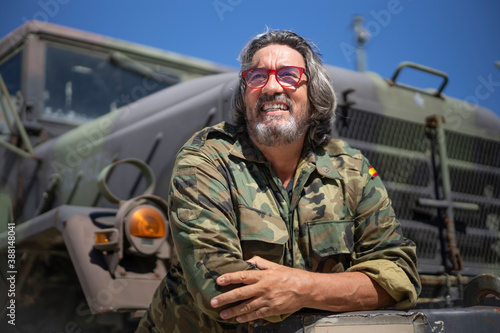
381 251
203 227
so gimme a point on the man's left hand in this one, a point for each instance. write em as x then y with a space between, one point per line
272 290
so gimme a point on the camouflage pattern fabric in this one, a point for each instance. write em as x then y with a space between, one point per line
227 205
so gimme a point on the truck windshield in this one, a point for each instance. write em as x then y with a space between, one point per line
81 85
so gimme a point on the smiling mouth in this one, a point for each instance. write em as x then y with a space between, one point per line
274 107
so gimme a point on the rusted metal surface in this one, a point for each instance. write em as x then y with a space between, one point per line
480 287
451 280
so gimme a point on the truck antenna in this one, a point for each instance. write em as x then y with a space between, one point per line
361 36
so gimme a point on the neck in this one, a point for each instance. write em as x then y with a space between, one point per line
284 159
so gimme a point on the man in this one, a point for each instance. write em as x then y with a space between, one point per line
270 215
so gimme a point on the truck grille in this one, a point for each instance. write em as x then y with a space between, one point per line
401 153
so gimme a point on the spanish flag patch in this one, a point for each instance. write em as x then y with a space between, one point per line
372 171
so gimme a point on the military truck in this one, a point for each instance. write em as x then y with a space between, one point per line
89 129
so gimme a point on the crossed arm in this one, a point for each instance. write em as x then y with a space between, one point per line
277 290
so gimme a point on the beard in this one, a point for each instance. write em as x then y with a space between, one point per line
278 130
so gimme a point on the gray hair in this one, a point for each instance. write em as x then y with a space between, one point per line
321 97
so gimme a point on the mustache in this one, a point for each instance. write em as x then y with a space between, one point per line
274 98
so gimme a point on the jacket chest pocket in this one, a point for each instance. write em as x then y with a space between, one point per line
331 243
262 234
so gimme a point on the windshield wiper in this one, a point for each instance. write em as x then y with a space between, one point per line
121 60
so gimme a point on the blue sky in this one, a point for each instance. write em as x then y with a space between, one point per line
459 37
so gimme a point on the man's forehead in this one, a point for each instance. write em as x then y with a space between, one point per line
278 53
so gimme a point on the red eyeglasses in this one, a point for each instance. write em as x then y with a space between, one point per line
257 78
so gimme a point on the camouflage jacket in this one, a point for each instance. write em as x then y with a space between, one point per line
227 205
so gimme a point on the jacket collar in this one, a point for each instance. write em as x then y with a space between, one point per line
244 148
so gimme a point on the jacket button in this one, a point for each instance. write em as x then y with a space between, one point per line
326 169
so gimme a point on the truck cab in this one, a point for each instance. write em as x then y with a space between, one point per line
68 101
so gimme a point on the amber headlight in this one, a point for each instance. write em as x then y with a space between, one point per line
145 228
147 222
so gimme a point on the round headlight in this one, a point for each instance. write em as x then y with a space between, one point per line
145 228
147 222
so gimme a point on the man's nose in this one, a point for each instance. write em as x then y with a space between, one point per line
272 86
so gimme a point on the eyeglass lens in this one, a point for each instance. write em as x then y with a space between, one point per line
286 76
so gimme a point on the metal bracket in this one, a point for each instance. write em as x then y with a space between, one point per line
28 153
436 123
344 108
